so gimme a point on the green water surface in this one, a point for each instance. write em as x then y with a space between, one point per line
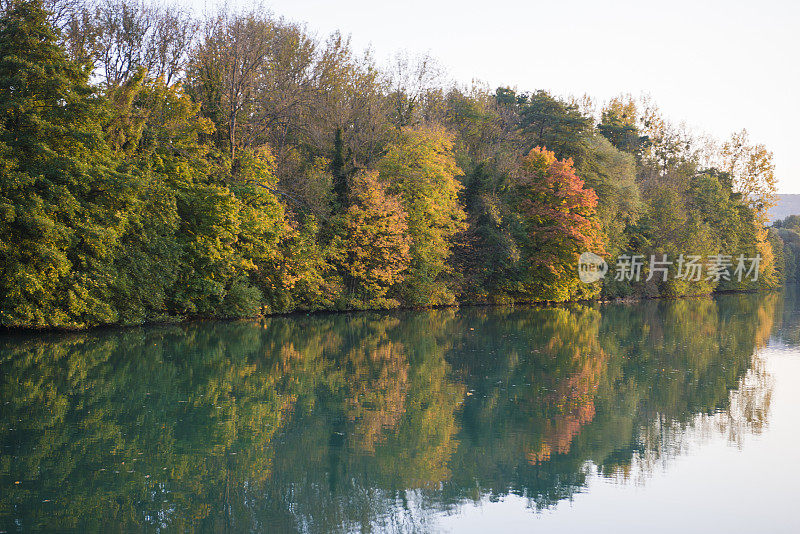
671 415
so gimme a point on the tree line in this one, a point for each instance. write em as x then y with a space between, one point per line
155 166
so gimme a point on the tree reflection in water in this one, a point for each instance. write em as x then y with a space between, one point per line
368 421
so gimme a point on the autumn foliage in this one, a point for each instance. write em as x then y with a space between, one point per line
420 167
376 243
555 220
156 167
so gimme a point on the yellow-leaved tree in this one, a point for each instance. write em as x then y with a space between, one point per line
752 173
420 168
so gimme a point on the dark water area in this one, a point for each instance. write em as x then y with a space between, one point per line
662 416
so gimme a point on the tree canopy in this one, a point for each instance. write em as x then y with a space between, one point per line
156 166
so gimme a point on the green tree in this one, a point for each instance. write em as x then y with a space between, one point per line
63 205
618 124
551 122
420 168
611 173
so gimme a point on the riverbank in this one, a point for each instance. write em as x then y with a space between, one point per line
168 321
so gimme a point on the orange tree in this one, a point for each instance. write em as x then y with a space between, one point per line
552 220
376 243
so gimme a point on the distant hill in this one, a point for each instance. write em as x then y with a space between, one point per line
787 205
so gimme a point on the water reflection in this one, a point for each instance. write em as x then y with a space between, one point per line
368 421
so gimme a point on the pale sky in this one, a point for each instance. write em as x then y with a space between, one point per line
719 66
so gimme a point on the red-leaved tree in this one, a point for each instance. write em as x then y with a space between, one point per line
553 222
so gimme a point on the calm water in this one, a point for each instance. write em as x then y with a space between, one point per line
676 416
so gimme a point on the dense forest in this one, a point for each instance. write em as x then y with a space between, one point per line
154 166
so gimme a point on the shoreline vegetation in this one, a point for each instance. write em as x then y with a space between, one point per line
155 167
540 305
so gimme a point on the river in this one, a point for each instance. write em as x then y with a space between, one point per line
660 416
